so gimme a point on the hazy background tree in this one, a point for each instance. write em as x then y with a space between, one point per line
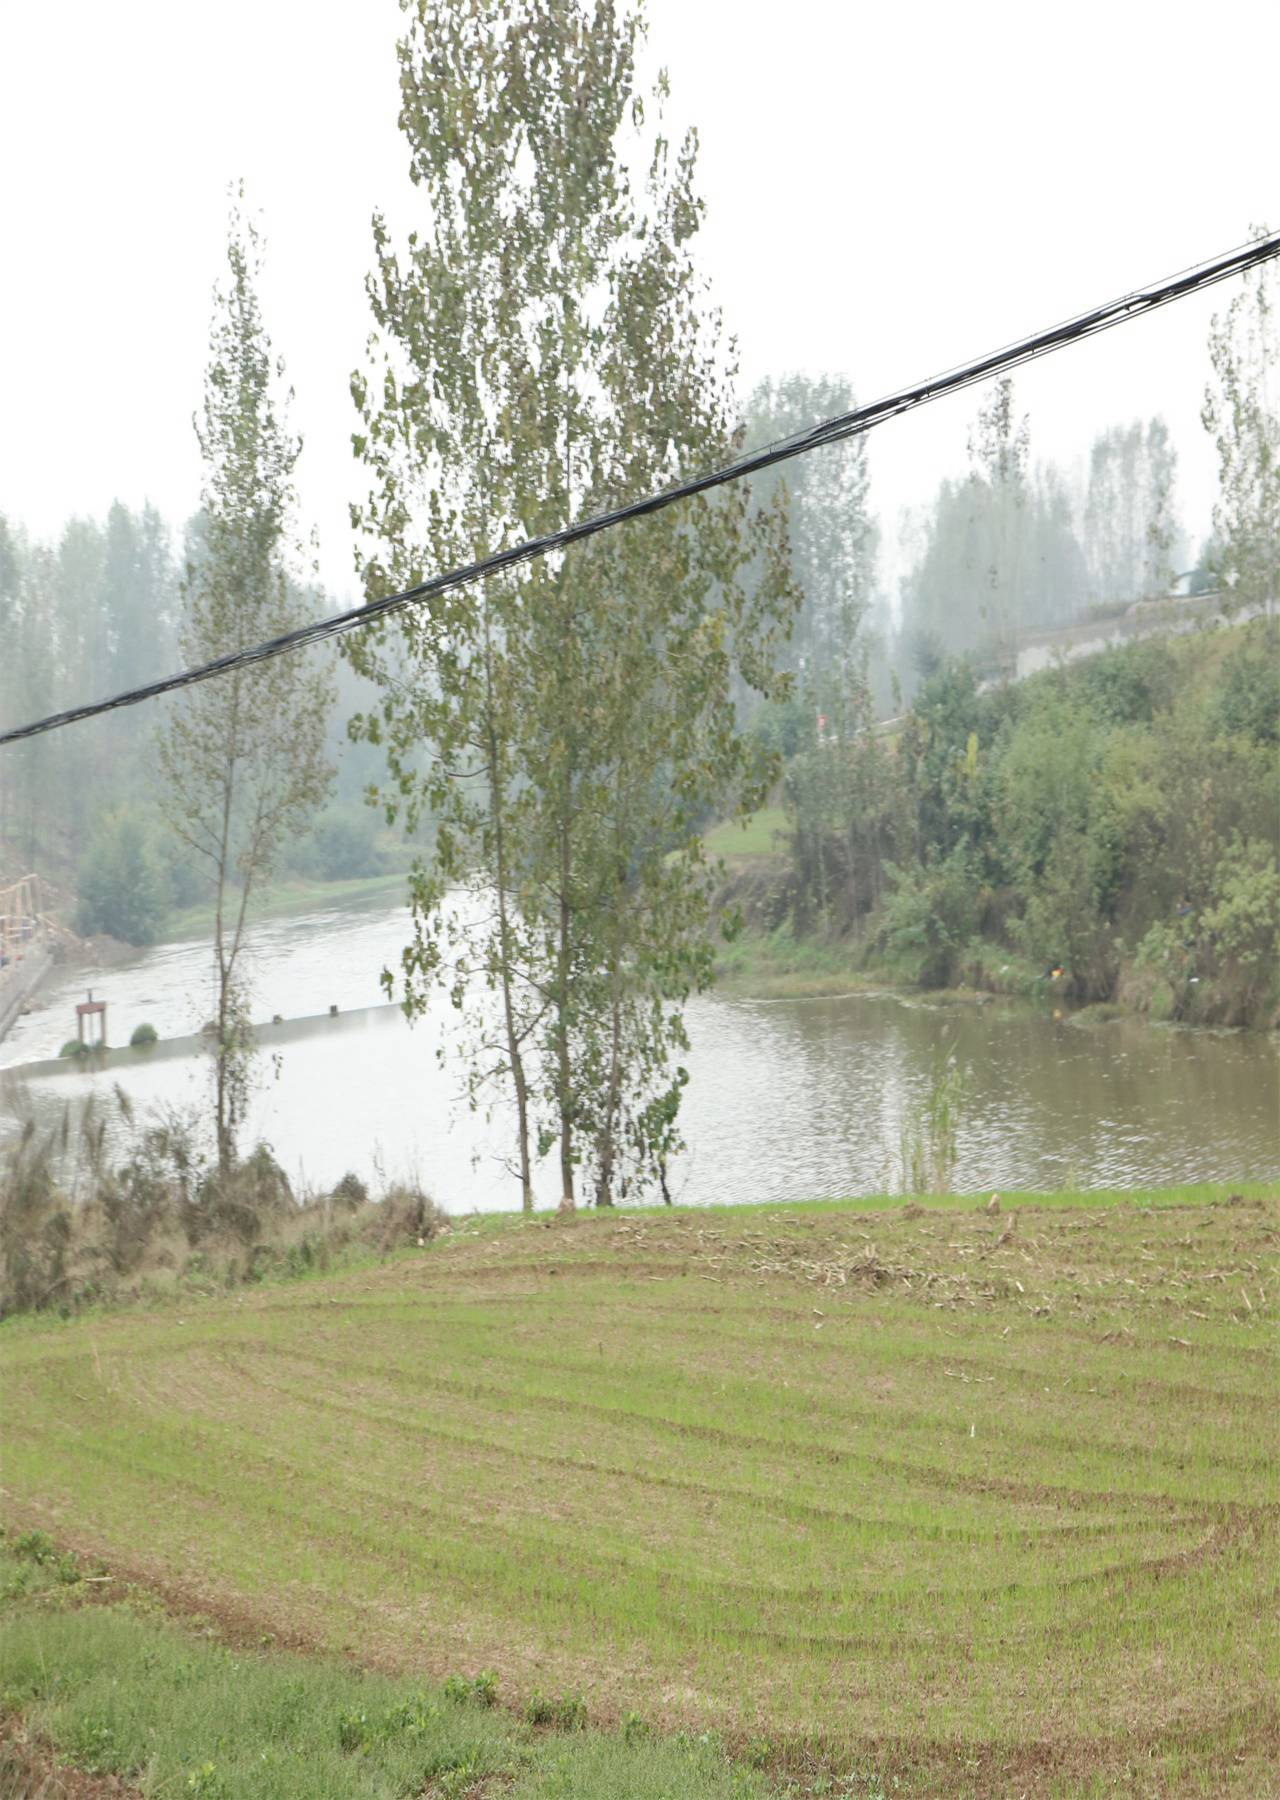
1242 412
968 589
833 791
60 810
96 607
1008 551
1132 537
12 684
122 880
998 451
241 758
833 535
139 595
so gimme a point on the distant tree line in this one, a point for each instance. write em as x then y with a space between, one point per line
92 614
97 611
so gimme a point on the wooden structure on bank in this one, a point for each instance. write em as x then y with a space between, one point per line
26 943
23 923
86 1011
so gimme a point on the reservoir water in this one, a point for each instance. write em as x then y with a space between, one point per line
787 1099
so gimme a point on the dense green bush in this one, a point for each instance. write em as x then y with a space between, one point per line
929 919
1248 701
121 881
342 845
1131 687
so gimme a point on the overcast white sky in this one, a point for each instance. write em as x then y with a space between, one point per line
891 189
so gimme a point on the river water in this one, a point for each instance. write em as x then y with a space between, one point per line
787 1099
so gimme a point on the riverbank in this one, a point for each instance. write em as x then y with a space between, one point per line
98 955
286 898
778 965
869 1489
1112 819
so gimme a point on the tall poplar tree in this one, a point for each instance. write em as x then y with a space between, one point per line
998 451
241 757
543 348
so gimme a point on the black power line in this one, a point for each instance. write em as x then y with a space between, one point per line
829 431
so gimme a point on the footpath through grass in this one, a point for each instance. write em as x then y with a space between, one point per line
977 1504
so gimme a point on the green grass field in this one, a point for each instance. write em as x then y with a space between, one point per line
777 965
979 1504
758 837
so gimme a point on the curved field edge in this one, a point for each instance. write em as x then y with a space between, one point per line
103 1695
904 1489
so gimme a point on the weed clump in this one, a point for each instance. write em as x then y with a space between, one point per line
35 1547
405 1216
568 1712
79 1226
350 1193
482 1691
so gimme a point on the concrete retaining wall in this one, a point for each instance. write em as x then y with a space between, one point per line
20 982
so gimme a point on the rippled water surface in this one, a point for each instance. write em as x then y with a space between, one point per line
787 1098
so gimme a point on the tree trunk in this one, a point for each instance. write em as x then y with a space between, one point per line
514 1053
609 1129
226 1145
564 1072
497 801
222 1070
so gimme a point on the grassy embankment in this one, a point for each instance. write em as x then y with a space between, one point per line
1114 816
978 1506
760 836
285 898
778 965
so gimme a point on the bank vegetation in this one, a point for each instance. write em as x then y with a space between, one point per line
1106 832
102 1207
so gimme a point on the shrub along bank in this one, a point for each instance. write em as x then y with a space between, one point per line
1116 820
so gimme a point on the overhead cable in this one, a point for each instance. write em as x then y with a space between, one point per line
854 423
